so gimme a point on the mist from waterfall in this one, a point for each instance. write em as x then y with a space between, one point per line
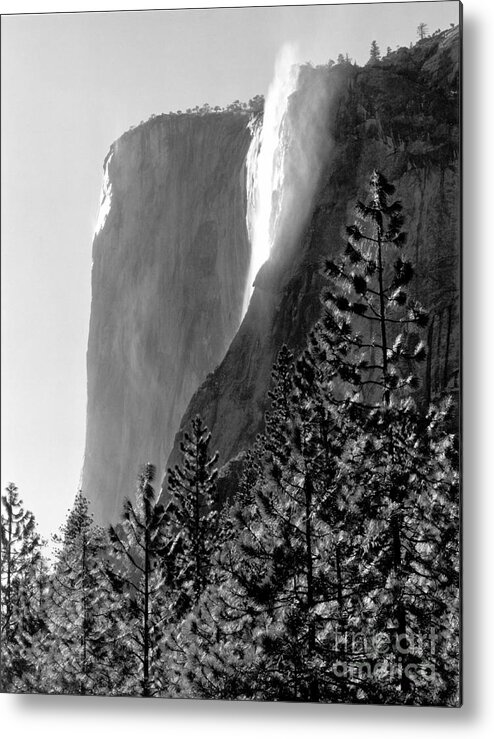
290 147
266 166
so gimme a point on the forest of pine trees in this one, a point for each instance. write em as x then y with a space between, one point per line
331 575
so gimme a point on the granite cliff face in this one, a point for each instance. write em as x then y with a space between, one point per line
169 267
401 116
172 256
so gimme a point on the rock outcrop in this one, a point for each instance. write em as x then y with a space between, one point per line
170 262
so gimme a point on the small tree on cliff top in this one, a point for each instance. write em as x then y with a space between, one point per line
375 53
422 30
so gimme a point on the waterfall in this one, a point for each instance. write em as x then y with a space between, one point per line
265 165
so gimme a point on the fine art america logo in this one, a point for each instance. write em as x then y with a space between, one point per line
384 655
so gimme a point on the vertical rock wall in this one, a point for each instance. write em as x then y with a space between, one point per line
169 271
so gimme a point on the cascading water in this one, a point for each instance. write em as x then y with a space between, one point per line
285 159
265 166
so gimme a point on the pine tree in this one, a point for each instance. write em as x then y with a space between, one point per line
375 52
347 524
370 317
371 328
410 538
342 546
198 528
23 578
260 631
138 571
193 509
422 30
74 655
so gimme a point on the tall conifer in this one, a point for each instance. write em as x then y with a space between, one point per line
23 584
76 647
371 329
138 571
193 510
345 553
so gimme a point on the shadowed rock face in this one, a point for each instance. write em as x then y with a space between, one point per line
400 116
169 270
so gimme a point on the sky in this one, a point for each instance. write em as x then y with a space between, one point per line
71 84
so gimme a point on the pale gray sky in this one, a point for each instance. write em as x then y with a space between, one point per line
71 84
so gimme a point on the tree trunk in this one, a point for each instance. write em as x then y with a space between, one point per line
145 682
446 354
311 636
382 316
400 613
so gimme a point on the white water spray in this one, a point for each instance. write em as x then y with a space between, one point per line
266 166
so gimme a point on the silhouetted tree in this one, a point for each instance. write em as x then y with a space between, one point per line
193 511
422 30
350 524
23 583
371 327
375 53
74 655
138 571
260 631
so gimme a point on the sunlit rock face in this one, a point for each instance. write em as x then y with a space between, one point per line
400 116
170 261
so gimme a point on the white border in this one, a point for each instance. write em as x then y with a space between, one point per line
72 717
